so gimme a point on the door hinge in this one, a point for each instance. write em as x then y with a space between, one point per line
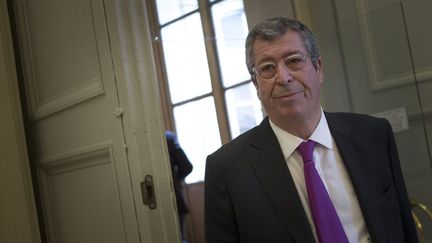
147 190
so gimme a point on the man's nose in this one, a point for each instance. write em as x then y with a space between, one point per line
283 74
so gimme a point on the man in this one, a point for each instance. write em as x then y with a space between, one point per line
180 168
257 188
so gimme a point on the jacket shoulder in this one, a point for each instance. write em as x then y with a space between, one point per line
362 124
356 118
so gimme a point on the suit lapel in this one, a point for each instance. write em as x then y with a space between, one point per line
351 150
271 169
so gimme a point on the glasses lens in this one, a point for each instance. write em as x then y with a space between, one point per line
295 62
267 70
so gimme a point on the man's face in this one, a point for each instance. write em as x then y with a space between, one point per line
291 94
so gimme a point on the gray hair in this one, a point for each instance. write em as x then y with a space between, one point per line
274 28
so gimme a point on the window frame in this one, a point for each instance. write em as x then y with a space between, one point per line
218 89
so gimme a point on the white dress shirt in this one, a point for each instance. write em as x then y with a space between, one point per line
331 169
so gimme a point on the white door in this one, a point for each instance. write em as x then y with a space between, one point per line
90 142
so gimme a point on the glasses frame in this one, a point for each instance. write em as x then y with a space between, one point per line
303 57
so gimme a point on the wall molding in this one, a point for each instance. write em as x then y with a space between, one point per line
378 81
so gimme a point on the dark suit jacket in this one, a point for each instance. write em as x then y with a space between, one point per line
250 195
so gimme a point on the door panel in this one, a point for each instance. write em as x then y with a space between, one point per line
76 129
80 191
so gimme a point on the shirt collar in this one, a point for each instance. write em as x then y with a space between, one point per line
289 142
322 133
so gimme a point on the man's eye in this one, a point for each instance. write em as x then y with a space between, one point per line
268 67
294 60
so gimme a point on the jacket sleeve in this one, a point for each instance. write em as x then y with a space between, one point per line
220 223
410 231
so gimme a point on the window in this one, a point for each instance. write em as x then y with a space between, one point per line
206 90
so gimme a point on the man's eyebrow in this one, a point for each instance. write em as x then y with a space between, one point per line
266 59
292 52
285 55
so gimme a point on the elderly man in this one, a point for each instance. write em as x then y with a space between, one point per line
304 175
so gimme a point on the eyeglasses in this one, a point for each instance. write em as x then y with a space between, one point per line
268 70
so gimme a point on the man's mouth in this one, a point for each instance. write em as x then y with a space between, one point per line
288 94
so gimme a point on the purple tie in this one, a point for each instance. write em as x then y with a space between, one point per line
327 223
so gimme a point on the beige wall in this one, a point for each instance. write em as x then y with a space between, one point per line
367 62
18 220
258 10
367 68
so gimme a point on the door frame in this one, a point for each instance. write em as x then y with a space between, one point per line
20 223
136 79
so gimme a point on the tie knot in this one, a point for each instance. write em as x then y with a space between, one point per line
306 150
